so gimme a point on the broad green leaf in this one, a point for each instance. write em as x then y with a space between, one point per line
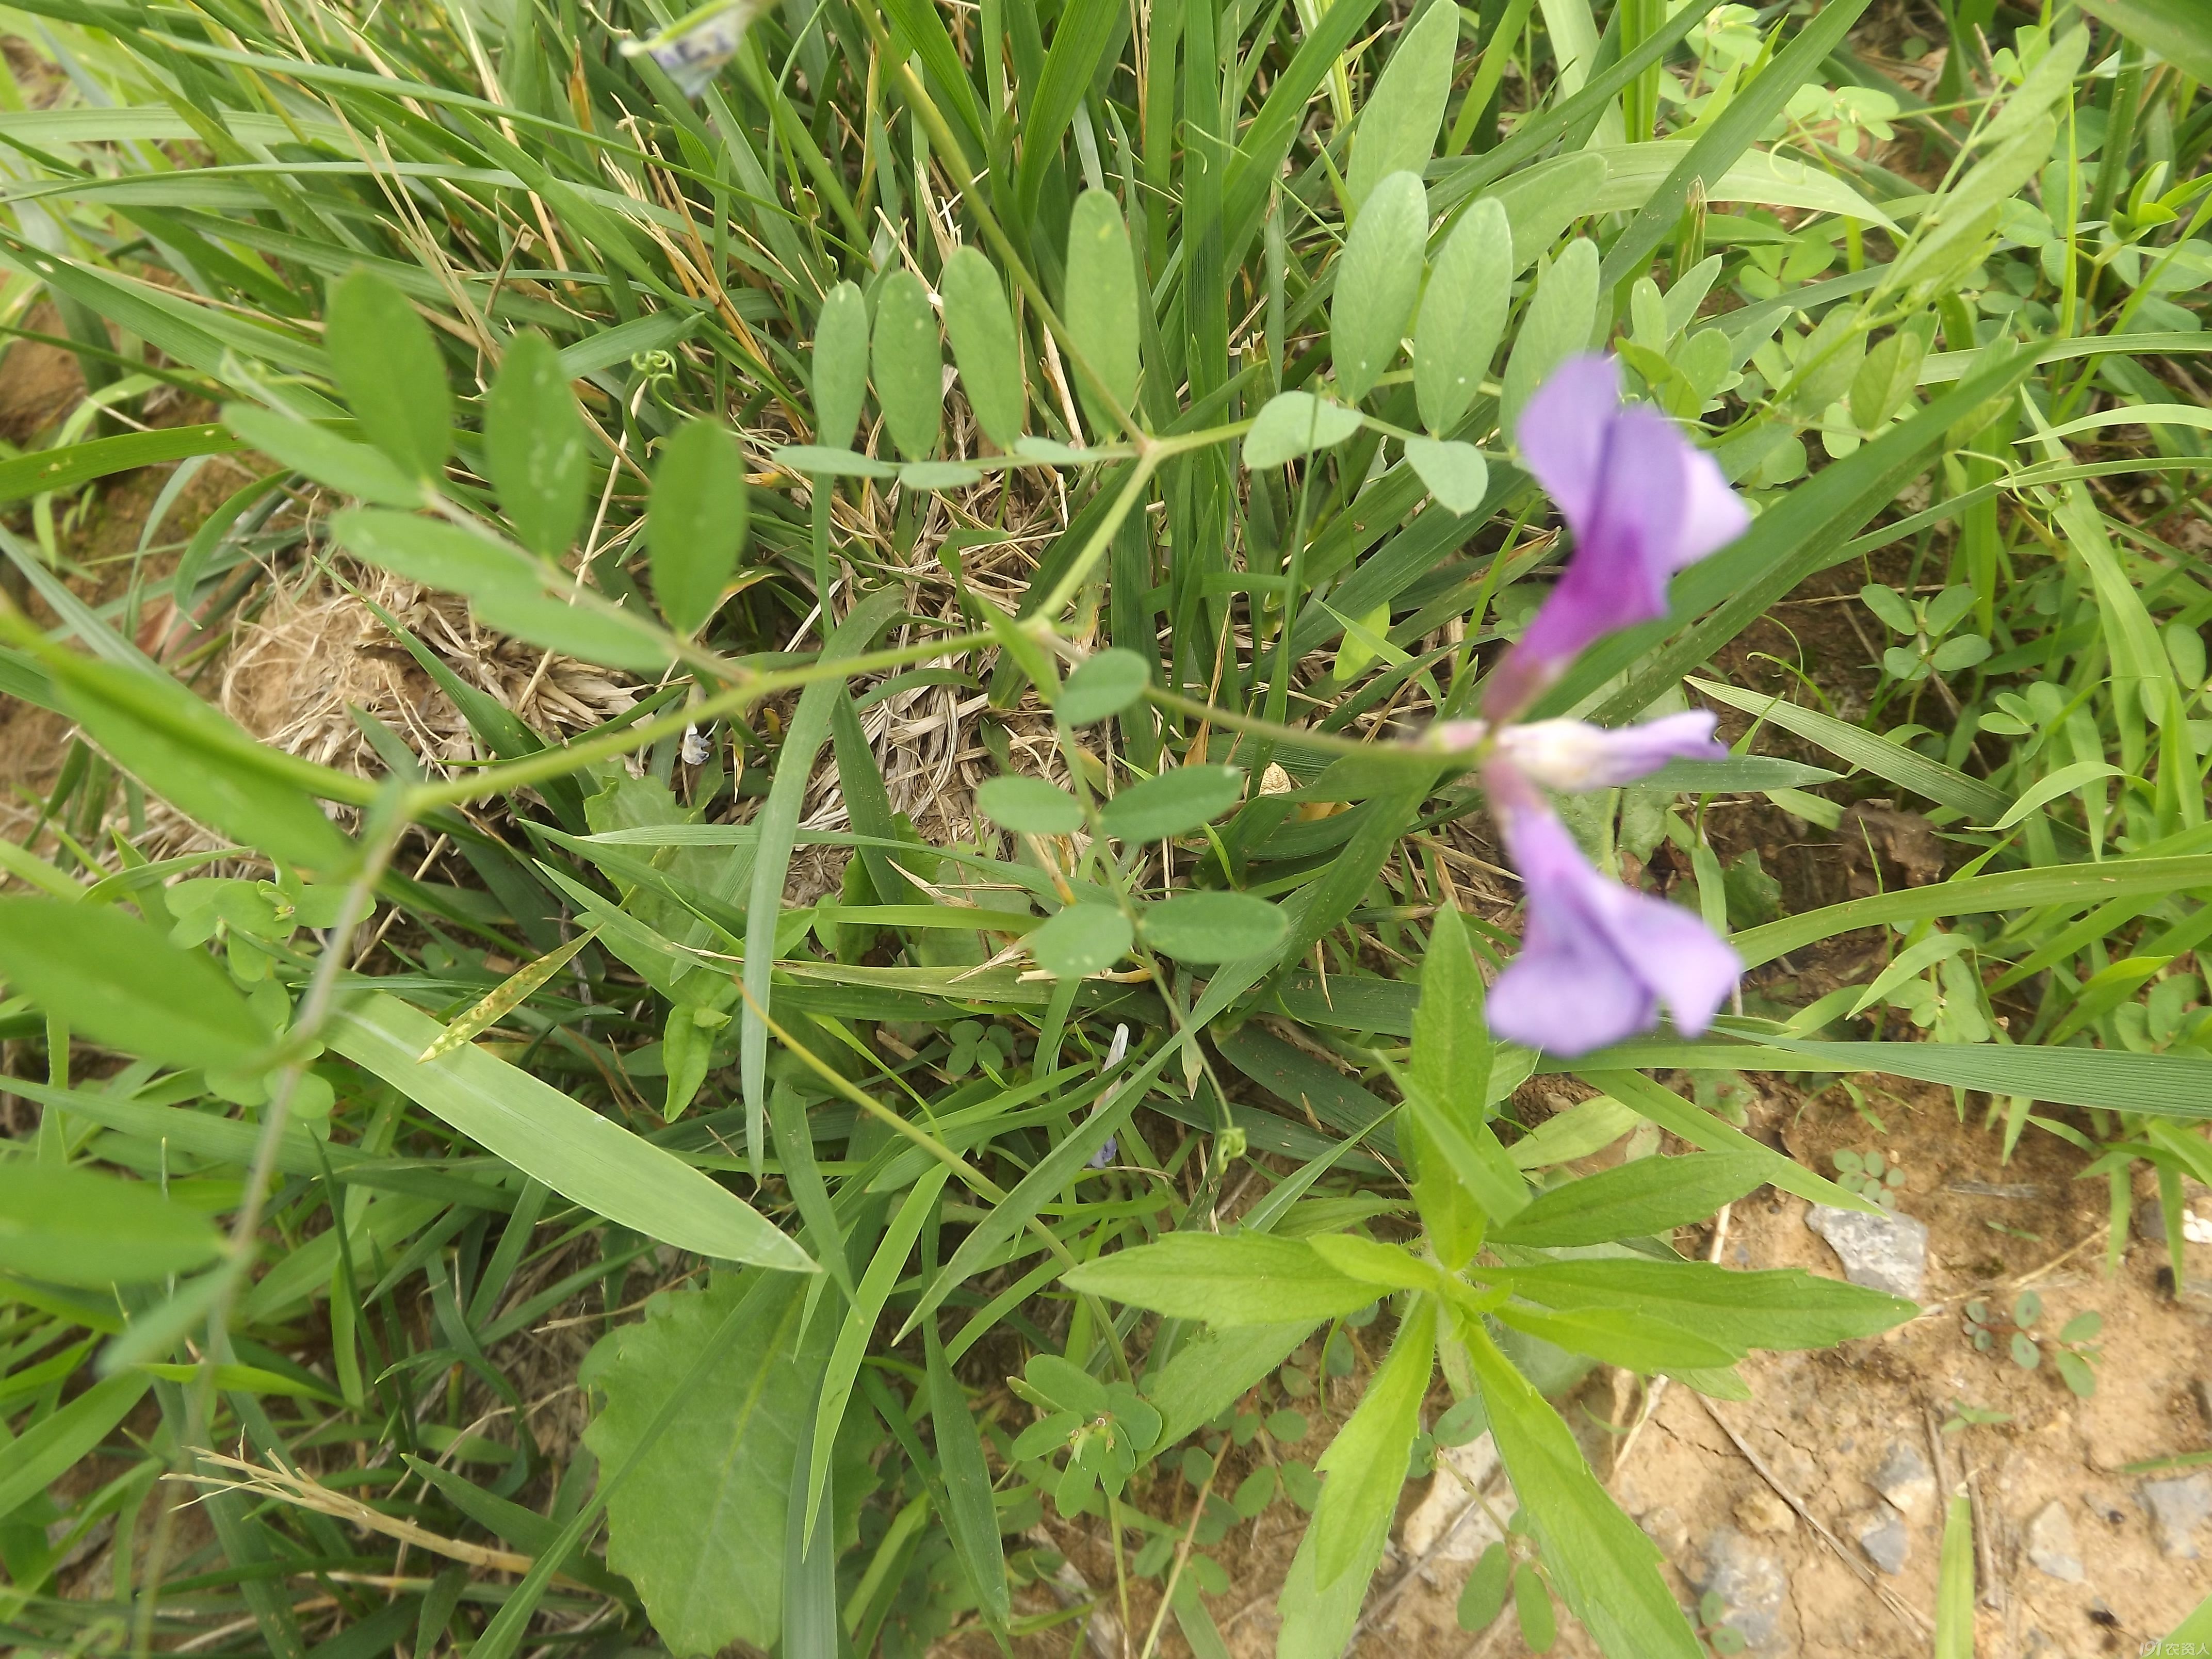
1366 1464
43 1453
1102 307
1462 315
971 1513
2197 1628
118 980
1647 1197
1589 1127
1294 423
1080 940
349 468
841 365
72 1227
1105 684
1890 372
1029 806
984 344
387 365
533 446
1560 319
909 359
434 554
2176 30
1627 1337
197 759
1240 1278
581 1156
1780 1309
695 526
1213 926
1175 803
1452 1048
1377 282
1210 1372
1482 1598
1398 124
611 637
1601 1563
699 1527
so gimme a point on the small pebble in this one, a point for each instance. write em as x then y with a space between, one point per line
1883 1253
1881 1533
2178 1508
2050 1548
1905 1478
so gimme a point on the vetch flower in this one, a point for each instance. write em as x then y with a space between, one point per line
1641 502
1572 756
1597 960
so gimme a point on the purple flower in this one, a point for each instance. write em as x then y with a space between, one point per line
1597 959
1572 756
1641 502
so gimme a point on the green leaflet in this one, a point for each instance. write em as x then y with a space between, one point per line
909 361
695 524
534 449
388 366
985 345
1379 282
841 365
1399 123
1557 326
1102 310
1462 315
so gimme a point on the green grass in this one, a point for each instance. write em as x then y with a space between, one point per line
471 300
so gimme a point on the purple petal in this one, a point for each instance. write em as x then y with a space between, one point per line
1562 433
1714 514
1640 501
1617 574
1597 959
1572 755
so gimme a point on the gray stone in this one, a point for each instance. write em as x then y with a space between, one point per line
1883 1253
2050 1544
1881 1533
1905 1478
2178 1508
1753 1586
